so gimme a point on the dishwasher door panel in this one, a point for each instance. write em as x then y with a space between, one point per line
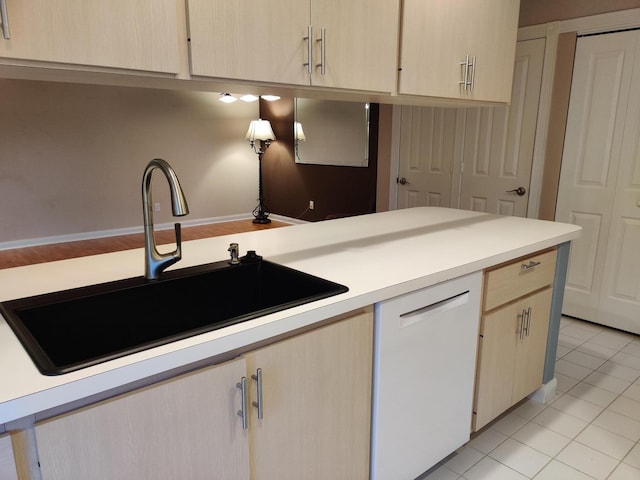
424 370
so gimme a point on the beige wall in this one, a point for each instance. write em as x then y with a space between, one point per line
72 156
533 12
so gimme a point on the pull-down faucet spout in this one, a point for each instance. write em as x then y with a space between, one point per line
154 261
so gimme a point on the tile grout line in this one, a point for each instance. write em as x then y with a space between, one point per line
560 394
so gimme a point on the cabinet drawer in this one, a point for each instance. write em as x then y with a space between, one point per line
518 278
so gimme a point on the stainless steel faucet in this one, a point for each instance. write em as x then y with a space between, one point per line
154 261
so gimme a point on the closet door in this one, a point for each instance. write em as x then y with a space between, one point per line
599 181
620 296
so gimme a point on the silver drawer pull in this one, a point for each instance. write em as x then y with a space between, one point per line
529 265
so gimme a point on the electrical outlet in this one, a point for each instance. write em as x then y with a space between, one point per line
156 207
312 205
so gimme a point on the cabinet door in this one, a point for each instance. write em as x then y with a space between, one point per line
496 363
131 34
361 43
529 363
250 39
317 404
437 35
513 343
7 460
181 428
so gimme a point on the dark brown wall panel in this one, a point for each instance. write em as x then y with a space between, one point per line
336 191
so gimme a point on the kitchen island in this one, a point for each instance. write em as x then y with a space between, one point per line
377 256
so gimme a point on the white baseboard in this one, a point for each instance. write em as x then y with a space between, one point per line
74 237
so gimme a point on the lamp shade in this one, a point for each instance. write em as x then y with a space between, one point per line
259 130
298 132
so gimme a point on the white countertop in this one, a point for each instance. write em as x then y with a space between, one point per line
377 256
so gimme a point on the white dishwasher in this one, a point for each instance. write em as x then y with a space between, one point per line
424 369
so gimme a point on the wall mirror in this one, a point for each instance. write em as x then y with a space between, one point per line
336 133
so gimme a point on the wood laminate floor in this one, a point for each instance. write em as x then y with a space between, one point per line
61 251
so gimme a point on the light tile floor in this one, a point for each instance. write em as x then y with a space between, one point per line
590 430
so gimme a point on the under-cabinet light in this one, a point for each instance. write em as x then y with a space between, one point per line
227 98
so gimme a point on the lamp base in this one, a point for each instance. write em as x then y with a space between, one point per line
261 220
261 214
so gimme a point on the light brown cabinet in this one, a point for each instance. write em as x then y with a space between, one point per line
347 44
458 50
316 392
129 34
361 44
316 396
513 334
180 428
7 460
247 40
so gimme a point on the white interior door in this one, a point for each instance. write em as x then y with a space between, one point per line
620 297
429 143
469 157
600 181
498 142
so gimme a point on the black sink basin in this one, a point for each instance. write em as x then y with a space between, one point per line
72 329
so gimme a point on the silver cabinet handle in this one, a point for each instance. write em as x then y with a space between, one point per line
4 19
520 331
473 73
309 39
322 40
528 327
528 266
465 82
259 405
465 73
242 385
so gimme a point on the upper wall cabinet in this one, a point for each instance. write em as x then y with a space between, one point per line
249 39
360 43
350 44
129 34
460 50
